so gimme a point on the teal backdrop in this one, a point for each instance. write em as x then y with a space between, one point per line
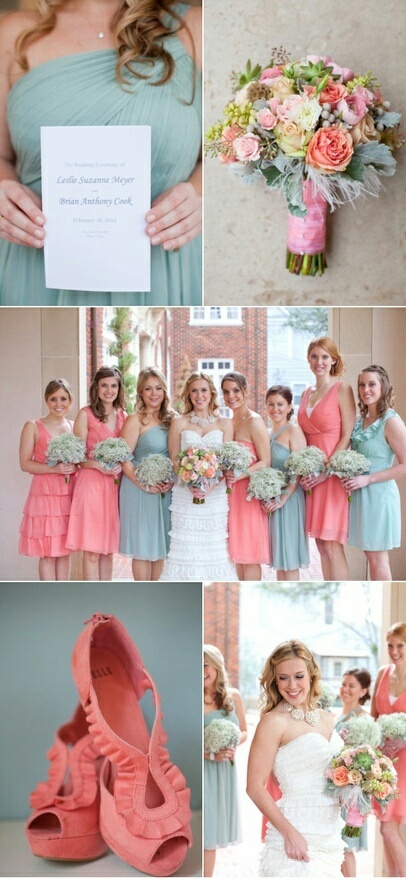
39 624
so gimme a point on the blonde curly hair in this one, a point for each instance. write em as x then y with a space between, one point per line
270 697
214 658
138 31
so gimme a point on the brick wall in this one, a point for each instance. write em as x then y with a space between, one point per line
221 624
94 342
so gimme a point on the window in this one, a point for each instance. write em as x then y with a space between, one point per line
216 315
298 389
217 368
338 667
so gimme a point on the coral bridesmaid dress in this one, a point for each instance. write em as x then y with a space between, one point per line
247 523
327 506
385 705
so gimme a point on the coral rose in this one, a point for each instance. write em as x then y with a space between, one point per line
385 791
330 149
291 138
230 132
247 147
340 776
364 131
332 93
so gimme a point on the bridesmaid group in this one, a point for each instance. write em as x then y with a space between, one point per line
225 537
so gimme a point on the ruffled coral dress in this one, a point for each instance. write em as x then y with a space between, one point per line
327 506
247 523
396 809
94 520
46 511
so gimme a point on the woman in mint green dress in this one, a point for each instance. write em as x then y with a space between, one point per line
222 825
102 63
380 435
288 541
144 514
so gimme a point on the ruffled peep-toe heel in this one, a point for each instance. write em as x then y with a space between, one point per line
65 822
144 811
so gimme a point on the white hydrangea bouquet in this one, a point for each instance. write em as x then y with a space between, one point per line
232 456
327 697
266 484
361 729
110 452
313 129
153 469
393 732
308 462
220 734
347 463
65 449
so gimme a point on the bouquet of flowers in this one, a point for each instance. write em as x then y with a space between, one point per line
348 463
357 775
313 129
153 469
328 696
66 448
110 452
361 730
266 484
232 456
221 734
393 732
199 469
308 462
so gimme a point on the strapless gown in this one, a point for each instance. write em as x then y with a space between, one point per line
300 770
199 536
82 90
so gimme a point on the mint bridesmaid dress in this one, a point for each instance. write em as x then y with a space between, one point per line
82 89
289 544
222 823
145 518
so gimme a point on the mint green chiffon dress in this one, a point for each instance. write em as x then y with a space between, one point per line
222 821
145 518
82 90
288 541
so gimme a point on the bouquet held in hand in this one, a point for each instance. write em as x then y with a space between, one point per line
199 469
266 484
393 732
65 449
356 776
221 734
361 730
348 463
319 132
153 469
232 456
110 452
308 462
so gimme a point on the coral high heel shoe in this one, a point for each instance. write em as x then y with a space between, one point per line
144 811
65 824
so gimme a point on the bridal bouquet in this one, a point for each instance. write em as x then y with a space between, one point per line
308 462
221 734
232 456
348 463
393 732
110 452
266 484
199 469
153 469
313 129
357 775
361 730
67 449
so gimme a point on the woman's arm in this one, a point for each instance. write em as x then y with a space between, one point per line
374 711
175 430
296 440
21 218
346 403
395 436
263 750
240 713
29 437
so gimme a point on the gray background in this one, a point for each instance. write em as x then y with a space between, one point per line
39 624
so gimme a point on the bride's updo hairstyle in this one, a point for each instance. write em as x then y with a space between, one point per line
214 658
338 368
286 651
185 395
139 28
397 629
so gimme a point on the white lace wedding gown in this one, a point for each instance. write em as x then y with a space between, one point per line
300 770
199 532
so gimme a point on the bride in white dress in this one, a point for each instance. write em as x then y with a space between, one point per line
199 533
296 741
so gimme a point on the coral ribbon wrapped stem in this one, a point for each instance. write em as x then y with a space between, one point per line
307 236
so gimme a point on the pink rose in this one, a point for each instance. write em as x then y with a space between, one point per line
330 149
266 119
269 74
247 148
352 108
332 93
365 94
283 110
309 91
344 73
274 103
228 137
329 773
340 776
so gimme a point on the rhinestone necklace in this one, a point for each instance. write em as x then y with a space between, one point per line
312 716
202 421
